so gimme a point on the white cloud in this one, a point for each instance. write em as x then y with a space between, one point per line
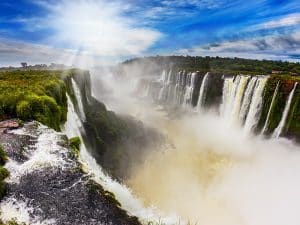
289 20
99 27
280 47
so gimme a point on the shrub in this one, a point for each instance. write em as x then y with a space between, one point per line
3 173
3 156
38 95
23 110
75 145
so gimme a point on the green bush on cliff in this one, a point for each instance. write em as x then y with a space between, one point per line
34 95
11 222
75 143
3 156
3 172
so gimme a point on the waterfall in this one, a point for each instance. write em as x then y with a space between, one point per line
166 91
78 98
247 99
278 130
187 99
270 109
256 105
74 127
163 76
226 96
202 91
233 92
237 100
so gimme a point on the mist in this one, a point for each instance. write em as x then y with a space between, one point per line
209 171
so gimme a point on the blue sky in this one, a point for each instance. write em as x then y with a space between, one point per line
52 30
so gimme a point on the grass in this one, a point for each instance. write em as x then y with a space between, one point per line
33 95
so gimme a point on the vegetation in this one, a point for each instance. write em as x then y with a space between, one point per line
33 95
75 145
3 172
286 84
11 222
220 65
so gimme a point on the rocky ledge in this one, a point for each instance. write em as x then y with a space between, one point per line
46 183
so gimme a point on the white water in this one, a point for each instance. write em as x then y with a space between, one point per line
256 105
73 127
270 109
187 99
233 92
21 213
279 129
237 100
251 185
46 152
202 91
79 100
247 99
229 92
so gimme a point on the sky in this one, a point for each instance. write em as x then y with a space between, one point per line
44 31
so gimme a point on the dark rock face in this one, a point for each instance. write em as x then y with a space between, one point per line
117 142
57 192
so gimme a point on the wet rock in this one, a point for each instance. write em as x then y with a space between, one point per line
56 192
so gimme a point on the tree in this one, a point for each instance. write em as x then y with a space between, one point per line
24 64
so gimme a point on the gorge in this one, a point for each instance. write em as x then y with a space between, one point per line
182 147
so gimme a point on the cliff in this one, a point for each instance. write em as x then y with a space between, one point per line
47 185
176 81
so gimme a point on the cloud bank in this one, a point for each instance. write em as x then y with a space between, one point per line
281 47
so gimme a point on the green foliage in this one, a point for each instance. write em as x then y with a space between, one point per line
23 110
37 95
3 172
3 156
75 143
286 85
220 65
11 222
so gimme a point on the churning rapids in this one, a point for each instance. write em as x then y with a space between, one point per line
213 171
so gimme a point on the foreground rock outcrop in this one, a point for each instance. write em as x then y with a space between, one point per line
46 183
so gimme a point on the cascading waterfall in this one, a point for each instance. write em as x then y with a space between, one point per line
270 109
233 92
242 97
279 129
78 98
237 100
256 105
226 96
74 127
247 99
202 91
189 89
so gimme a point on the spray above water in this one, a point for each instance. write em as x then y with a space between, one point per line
74 127
214 173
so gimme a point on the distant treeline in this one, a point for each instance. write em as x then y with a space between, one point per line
220 65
